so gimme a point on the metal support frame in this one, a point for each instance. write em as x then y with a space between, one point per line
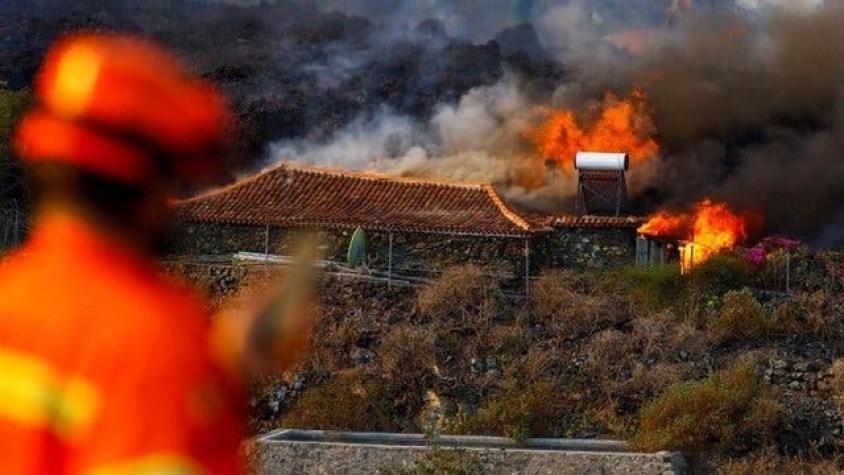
390 259
267 243
606 187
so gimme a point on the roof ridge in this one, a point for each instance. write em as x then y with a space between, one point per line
227 187
376 175
318 170
508 213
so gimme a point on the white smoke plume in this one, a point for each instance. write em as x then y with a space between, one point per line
479 139
746 95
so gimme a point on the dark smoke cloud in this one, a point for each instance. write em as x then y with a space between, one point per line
746 95
293 70
754 113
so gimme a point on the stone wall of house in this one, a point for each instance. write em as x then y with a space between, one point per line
414 253
419 254
580 248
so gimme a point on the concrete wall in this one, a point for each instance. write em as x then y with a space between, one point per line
319 452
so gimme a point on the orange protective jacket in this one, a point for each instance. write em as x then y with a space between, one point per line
104 366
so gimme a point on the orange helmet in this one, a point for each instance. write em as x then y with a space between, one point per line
122 108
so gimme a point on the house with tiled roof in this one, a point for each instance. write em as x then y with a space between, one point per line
289 196
410 224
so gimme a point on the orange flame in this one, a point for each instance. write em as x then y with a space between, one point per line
664 224
710 228
622 125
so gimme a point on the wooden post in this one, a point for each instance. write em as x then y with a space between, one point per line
527 267
390 260
691 257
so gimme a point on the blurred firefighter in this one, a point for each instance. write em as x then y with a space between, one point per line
106 366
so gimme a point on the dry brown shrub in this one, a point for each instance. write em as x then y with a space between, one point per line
768 461
609 419
607 348
509 340
630 368
662 336
658 338
463 293
838 377
351 400
407 356
648 381
332 341
553 293
726 411
837 383
519 412
818 313
618 394
561 301
650 335
741 319
533 366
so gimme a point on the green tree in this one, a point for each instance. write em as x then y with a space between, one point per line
12 106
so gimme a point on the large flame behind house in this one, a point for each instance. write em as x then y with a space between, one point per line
618 124
709 228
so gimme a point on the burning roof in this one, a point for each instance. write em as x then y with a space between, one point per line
709 228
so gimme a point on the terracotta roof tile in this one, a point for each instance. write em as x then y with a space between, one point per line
296 196
290 195
571 221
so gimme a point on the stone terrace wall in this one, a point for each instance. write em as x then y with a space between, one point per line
327 457
420 254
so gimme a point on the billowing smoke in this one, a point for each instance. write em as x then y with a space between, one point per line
746 97
754 113
479 139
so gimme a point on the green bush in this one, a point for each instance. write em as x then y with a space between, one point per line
727 410
720 273
12 106
741 318
351 400
518 412
652 288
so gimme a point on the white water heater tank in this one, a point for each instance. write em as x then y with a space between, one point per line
601 161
